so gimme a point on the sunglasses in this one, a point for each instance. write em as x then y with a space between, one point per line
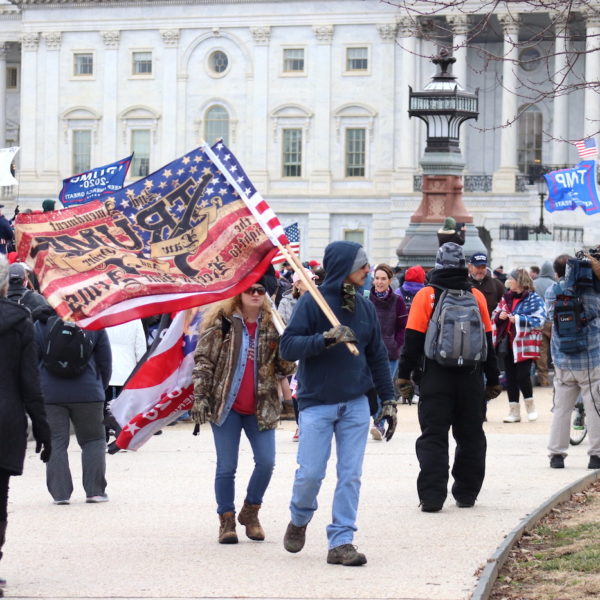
260 290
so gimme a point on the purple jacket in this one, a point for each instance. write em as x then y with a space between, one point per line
392 315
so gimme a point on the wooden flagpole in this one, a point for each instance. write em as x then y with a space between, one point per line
286 251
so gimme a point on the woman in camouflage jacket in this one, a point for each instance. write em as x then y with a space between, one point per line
236 387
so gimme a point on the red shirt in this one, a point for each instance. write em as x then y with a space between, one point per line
245 402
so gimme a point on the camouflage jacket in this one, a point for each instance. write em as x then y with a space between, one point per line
218 357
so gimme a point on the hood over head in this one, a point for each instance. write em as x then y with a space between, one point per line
547 270
339 260
11 314
415 273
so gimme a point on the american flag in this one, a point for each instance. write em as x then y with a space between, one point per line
238 179
292 233
587 148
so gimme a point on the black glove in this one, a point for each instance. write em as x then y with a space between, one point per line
389 414
42 436
492 391
406 389
339 334
44 449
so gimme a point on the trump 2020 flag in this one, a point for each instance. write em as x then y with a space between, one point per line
179 238
161 388
570 188
90 185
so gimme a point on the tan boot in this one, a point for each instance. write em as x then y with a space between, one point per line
514 414
227 534
530 407
249 517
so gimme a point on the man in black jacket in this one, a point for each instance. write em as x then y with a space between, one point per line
480 279
20 293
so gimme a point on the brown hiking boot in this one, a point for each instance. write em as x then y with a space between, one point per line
249 517
294 538
346 555
227 534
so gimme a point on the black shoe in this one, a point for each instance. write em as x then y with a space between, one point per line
557 461
467 504
594 462
430 508
346 555
294 538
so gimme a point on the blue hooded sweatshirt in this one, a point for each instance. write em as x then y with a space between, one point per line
328 375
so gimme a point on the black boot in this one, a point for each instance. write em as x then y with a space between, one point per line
2 538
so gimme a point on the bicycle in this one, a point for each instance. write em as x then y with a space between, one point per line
578 426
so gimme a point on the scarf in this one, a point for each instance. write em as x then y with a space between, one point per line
348 297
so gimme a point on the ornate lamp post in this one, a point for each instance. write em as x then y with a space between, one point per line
444 106
542 187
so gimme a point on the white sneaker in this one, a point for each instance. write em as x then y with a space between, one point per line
376 434
96 499
61 502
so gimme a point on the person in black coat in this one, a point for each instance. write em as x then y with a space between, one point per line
20 394
80 401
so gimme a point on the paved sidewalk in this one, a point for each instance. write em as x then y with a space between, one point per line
156 538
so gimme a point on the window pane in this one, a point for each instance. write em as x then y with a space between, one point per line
355 235
293 59
530 139
82 150
12 74
218 61
216 125
140 146
142 63
355 152
357 59
83 64
292 153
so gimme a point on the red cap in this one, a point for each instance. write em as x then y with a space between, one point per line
314 263
415 273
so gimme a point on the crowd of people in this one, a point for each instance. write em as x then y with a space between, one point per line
388 343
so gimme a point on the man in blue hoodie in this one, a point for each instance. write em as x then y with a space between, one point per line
332 397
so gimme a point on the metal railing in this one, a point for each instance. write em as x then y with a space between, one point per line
531 232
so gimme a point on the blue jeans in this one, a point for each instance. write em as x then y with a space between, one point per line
393 366
349 422
227 444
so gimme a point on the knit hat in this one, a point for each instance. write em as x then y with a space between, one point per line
449 224
514 274
48 205
450 256
360 260
416 274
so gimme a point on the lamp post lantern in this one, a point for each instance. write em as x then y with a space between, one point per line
444 106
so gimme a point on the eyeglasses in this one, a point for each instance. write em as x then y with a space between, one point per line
260 290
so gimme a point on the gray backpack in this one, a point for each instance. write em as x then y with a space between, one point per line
455 335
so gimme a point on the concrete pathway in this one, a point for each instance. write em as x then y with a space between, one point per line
156 538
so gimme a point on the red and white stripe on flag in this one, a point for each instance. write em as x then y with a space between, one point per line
587 148
161 389
292 233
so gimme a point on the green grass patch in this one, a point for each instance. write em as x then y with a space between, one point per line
586 560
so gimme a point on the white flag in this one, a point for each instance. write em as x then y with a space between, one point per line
6 158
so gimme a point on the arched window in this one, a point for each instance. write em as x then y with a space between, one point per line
216 125
530 138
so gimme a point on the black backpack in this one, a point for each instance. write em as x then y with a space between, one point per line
67 349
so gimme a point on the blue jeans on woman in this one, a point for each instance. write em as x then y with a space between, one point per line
227 444
349 423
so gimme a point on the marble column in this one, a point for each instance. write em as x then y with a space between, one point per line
504 177
591 124
320 175
111 149
258 108
170 39
560 106
49 157
405 147
3 51
29 105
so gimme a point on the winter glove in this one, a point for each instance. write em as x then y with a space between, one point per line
200 412
492 391
339 334
41 434
406 389
389 414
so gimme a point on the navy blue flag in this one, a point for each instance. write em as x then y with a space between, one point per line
91 185
570 188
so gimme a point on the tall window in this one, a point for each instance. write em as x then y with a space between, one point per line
140 146
293 60
141 63
357 59
355 152
12 78
530 139
82 150
216 124
83 64
292 153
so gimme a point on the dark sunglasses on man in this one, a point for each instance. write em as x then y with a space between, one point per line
258 289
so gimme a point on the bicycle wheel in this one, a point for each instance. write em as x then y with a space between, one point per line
578 427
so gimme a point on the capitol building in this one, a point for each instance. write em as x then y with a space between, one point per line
312 97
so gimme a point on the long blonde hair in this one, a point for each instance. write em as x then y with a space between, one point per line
228 307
